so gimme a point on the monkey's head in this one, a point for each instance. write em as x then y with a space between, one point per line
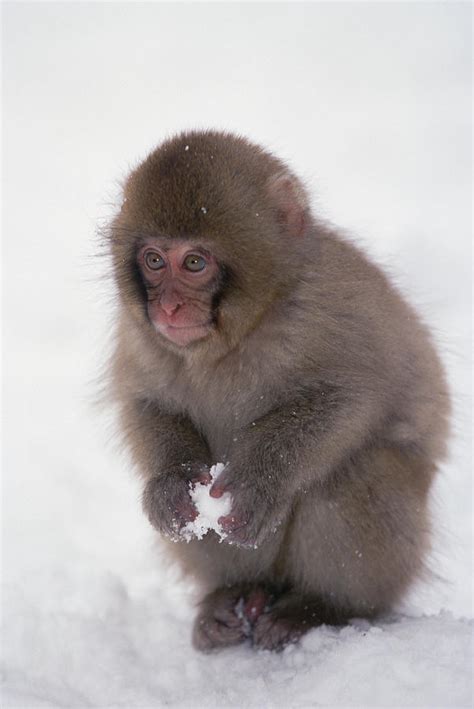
211 234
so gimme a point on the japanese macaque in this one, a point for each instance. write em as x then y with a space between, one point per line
251 333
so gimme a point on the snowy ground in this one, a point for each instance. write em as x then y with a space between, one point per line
371 104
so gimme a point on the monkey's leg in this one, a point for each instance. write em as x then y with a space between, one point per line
226 616
359 541
354 545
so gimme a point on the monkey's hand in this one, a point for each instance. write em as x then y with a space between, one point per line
254 515
166 499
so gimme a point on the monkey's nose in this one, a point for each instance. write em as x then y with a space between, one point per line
170 308
170 301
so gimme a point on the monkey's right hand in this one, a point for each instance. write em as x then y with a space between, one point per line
166 500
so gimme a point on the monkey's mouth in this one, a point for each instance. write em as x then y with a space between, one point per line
185 334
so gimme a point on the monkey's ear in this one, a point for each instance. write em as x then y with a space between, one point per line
290 200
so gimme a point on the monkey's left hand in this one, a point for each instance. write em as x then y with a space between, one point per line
254 514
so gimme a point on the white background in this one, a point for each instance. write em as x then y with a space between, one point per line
370 104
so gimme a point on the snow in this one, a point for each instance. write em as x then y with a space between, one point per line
209 508
93 612
111 654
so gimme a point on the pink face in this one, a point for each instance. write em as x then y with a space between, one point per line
180 282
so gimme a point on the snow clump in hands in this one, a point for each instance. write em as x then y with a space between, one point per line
210 509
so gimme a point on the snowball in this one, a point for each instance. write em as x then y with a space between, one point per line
209 508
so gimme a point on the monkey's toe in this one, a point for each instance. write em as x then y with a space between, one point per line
210 633
274 632
255 603
218 624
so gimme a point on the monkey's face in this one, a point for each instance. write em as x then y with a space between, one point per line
180 281
211 235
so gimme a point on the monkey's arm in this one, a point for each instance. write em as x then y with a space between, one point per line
288 449
170 455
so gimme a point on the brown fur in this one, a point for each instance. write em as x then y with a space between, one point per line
319 385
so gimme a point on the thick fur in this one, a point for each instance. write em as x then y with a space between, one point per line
319 386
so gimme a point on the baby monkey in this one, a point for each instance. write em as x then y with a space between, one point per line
253 334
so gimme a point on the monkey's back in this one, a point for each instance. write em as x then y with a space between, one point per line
382 336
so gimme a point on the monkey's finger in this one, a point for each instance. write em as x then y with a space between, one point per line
202 478
217 490
186 512
226 482
236 529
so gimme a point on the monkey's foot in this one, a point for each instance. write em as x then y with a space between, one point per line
228 615
274 632
218 624
287 620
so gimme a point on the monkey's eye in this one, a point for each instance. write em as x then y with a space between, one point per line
153 260
194 262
